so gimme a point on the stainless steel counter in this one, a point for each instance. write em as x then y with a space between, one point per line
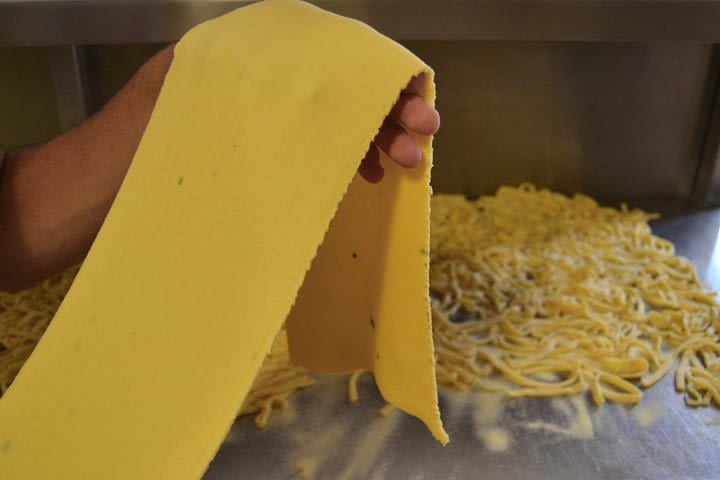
64 22
660 439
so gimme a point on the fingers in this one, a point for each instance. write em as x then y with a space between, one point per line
398 145
413 112
416 115
370 167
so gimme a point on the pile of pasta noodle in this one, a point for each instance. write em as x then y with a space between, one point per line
534 294
24 316
558 296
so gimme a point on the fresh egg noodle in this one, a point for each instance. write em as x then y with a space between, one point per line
563 297
156 345
276 380
24 316
554 295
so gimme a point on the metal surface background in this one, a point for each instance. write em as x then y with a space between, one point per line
612 119
52 22
620 120
68 72
683 444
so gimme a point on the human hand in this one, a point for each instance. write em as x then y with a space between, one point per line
412 112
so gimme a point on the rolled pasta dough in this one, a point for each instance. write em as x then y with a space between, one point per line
256 135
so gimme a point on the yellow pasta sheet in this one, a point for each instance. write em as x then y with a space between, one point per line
255 139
